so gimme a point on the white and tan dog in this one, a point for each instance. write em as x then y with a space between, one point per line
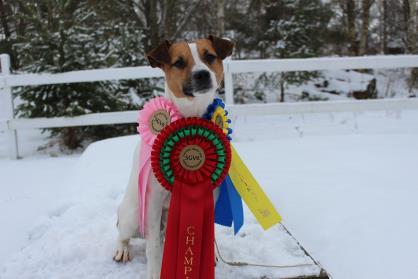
193 72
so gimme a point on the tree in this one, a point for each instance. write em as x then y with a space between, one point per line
12 27
166 19
393 27
279 29
364 35
296 30
4 20
65 36
349 10
220 17
383 32
410 15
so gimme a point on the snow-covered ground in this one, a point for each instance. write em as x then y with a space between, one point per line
346 185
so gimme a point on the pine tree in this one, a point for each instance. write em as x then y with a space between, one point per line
65 36
283 29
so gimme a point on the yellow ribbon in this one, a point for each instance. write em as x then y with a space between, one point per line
252 193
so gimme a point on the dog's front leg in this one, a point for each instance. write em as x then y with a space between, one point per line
127 223
156 198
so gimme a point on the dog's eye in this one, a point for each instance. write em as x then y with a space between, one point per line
179 63
210 58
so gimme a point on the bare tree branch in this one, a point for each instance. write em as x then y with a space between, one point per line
185 19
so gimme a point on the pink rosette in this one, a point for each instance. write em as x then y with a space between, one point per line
155 115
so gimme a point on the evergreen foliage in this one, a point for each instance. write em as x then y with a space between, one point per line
66 36
286 29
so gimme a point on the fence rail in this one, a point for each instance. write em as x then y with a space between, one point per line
11 124
125 117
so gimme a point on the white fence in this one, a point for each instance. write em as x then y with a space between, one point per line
12 124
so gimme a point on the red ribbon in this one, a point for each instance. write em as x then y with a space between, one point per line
189 239
190 233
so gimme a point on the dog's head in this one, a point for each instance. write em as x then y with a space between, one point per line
193 71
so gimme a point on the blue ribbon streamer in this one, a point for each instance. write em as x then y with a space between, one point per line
228 208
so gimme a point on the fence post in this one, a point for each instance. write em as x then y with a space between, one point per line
8 106
229 87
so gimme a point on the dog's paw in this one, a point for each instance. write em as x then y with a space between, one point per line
153 271
122 253
153 275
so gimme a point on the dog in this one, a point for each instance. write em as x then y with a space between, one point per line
193 73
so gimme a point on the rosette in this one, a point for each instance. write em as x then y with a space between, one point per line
228 207
217 114
190 157
155 115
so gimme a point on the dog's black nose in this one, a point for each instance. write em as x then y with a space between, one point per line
201 80
201 75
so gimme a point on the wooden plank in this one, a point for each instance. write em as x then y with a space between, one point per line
323 106
306 266
323 273
83 76
8 106
105 118
324 63
229 85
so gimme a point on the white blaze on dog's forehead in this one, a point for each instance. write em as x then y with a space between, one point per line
198 63
195 53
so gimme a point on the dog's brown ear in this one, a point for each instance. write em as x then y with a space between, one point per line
223 47
159 56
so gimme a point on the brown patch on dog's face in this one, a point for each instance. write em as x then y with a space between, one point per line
209 56
178 72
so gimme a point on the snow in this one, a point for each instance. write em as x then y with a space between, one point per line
30 189
340 84
345 185
350 200
82 228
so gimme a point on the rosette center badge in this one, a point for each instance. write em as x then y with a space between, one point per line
158 121
192 157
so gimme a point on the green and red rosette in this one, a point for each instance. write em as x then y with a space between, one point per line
190 157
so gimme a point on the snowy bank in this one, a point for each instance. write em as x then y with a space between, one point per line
346 186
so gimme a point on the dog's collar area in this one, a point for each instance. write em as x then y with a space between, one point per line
200 92
189 94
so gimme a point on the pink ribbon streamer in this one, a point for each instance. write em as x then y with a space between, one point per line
143 182
147 140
